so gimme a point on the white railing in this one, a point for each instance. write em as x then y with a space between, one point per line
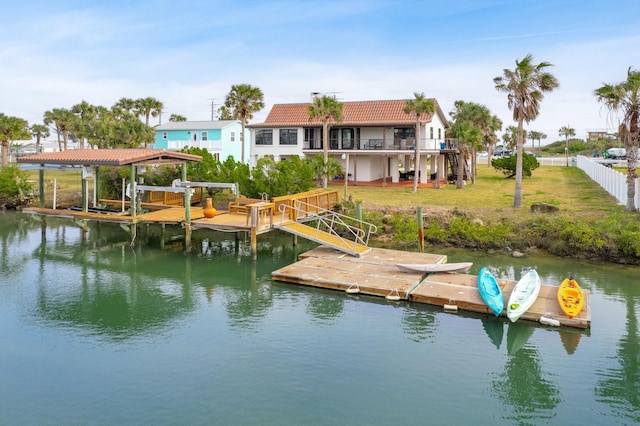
208 145
331 222
614 182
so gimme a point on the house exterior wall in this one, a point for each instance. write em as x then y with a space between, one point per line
373 148
223 141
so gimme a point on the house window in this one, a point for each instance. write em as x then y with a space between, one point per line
439 133
431 133
288 137
312 138
264 137
233 136
204 136
404 133
165 135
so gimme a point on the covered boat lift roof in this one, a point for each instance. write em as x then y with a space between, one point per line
109 157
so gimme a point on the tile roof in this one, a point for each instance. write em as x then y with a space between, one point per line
360 113
109 157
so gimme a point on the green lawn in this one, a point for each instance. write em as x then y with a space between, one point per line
566 187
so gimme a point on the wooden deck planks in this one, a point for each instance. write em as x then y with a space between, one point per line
375 273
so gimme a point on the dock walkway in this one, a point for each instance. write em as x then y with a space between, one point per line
375 273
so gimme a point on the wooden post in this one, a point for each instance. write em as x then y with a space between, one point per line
132 187
359 210
187 194
254 231
41 185
85 202
96 185
187 237
420 230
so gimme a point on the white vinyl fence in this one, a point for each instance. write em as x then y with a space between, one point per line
614 182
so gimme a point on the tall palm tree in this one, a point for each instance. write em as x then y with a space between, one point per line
542 136
567 132
148 107
244 100
39 131
63 121
86 114
479 118
533 135
525 87
419 107
327 109
491 138
624 97
11 129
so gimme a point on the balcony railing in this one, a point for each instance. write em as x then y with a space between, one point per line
208 145
380 144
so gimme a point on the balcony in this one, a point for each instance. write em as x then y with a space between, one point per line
381 145
212 146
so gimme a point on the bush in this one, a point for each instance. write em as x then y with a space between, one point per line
15 189
507 165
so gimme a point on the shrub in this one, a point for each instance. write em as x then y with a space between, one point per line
15 189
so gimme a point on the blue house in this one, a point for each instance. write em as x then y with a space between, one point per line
221 138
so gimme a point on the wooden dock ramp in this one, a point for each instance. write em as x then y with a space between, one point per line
323 237
375 273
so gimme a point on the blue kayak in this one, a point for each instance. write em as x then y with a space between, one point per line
490 291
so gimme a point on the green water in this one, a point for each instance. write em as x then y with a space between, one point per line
94 332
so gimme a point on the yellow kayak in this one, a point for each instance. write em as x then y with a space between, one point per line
570 297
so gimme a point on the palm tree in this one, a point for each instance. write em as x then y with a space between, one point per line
39 131
534 135
86 114
567 132
63 121
479 121
124 105
177 117
542 136
148 107
491 138
624 97
327 109
419 107
11 129
525 87
244 100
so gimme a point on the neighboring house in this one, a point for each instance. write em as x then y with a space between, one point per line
377 135
221 138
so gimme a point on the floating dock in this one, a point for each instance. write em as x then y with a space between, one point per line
375 273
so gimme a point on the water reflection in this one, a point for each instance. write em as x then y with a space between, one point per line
494 327
96 284
619 386
419 323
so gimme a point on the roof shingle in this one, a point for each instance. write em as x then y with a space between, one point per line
359 113
109 157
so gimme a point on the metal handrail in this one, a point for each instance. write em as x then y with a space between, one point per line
361 231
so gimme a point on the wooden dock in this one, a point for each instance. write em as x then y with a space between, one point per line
375 273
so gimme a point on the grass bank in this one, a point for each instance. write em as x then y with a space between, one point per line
589 222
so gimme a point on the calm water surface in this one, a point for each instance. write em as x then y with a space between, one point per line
94 332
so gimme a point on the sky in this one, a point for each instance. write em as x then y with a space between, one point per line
188 54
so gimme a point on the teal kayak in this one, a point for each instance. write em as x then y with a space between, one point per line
490 291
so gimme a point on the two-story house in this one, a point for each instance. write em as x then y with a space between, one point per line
222 138
375 140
